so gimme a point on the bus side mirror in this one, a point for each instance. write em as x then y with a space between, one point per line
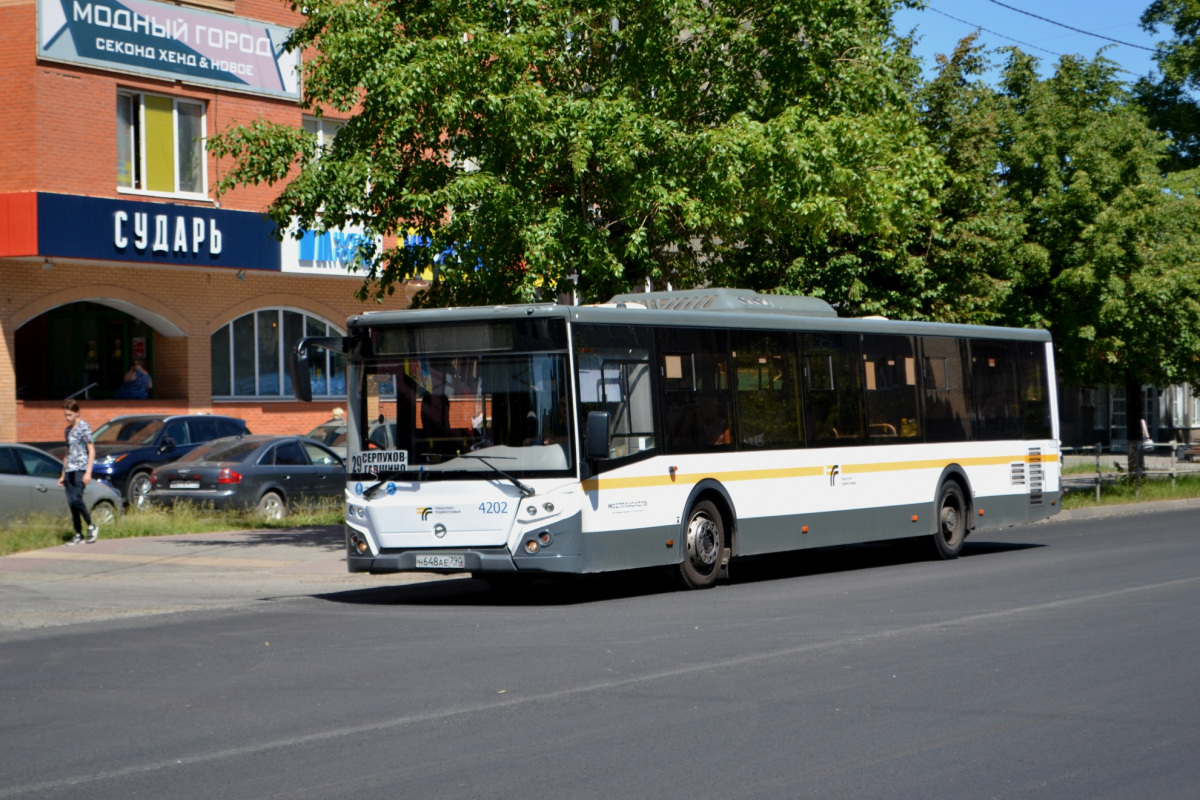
301 375
597 434
298 363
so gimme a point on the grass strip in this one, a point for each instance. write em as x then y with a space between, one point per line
1124 490
50 530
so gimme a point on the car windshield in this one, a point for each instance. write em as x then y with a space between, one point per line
478 412
222 450
134 430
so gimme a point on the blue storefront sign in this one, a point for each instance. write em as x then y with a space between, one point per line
96 228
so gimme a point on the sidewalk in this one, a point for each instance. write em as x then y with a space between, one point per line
125 578
116 578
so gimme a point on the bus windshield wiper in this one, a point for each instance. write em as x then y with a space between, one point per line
525 489
383 477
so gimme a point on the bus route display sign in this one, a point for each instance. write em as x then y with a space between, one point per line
379 461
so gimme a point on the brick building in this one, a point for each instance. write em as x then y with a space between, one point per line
112 241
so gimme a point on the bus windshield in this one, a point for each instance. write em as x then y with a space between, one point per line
481 413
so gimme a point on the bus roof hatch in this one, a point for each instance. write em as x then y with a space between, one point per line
728 300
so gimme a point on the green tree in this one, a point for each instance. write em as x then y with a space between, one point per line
973 249
1117 279
761 143
1167 96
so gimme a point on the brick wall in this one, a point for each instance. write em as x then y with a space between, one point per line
197 302
59 135
170 367
58 132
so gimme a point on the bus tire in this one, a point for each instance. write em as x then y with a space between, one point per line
703 546
951 521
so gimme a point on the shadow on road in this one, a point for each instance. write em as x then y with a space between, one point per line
574 590
326 537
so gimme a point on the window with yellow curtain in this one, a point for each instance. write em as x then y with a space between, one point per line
160 144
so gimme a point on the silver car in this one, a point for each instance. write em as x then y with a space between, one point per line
29 485
332 434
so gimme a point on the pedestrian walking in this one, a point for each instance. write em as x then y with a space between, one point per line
77 471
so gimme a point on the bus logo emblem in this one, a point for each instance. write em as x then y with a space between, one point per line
439 530
425 512
834 471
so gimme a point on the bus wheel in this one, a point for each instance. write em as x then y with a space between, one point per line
704 542
952 522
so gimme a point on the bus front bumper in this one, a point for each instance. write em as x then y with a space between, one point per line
565 553
496 559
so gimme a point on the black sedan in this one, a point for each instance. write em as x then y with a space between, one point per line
269 473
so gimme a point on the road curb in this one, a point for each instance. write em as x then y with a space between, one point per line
1124 509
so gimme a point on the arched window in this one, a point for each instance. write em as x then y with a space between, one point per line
250 356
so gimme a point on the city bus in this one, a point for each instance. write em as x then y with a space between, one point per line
680 429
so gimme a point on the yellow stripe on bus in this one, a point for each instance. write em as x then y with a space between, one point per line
647 481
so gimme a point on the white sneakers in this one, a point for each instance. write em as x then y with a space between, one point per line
93 533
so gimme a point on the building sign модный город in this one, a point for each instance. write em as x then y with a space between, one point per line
168 41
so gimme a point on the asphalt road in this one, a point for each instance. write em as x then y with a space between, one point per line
1057 660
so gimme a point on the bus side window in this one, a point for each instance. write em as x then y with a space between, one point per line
614 375
890 376
997 413
697 412
947 396
766 391
833 396
1034 391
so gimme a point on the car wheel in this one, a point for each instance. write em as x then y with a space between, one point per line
272 507
104 513
138 492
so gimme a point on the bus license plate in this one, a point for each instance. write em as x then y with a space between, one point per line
442 562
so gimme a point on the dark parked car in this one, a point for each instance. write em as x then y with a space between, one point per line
128 448
29 485
269 473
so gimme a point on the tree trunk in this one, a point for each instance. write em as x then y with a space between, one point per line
1134 412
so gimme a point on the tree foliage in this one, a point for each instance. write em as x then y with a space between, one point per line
1058 215
1167 96
766 143
1118 244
